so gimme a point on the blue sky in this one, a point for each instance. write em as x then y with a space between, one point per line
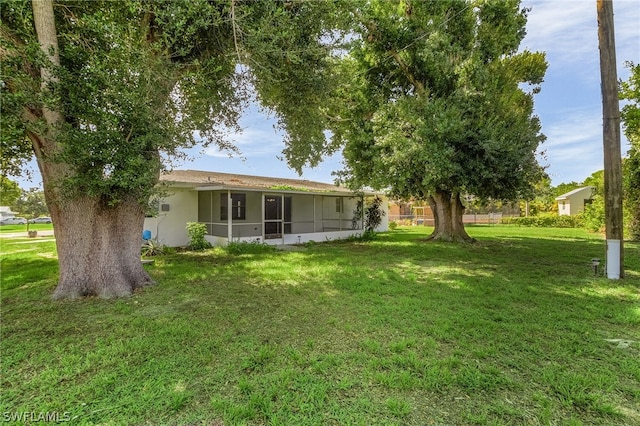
569 105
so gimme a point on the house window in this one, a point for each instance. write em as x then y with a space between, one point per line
238 206
339 205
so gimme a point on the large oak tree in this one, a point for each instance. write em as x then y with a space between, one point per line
440 103
104 93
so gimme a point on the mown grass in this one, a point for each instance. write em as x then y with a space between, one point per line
510 330
8 229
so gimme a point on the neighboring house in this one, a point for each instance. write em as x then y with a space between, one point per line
252 208
400 210
409 213
5 212
423 215
573 202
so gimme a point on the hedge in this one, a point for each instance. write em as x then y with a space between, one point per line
546 221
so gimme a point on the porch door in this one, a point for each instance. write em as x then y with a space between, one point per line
273 216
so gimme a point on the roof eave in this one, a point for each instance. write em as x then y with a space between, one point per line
270 190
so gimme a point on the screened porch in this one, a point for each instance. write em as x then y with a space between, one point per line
277 217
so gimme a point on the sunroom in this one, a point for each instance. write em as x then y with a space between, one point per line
277 217
256 209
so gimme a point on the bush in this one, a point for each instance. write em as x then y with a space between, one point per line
393 225
632 229
196 232
355 238
245 247
545 221
593 215
373 215
152 247
368 235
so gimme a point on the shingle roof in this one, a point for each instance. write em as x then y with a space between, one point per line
198 178
575 191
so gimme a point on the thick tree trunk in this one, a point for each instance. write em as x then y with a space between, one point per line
99 249
98 245
447 213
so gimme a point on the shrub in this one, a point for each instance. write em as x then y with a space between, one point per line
245 247
393 225
373 215
368 235
545 221
508 220
576 221
196 232
632 222
355 238
593 215
152 247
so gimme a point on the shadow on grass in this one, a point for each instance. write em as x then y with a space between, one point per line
18 272
505 313
388 331
515 280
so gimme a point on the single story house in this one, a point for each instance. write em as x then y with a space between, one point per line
573 202
256 209
6 213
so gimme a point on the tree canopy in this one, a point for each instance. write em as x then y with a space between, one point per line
437 102
107 93
140 81
31 203
9 191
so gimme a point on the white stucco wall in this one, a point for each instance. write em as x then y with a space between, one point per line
564 208
169 227
574 204
384 224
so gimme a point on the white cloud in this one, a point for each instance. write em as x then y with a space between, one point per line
574 125
570 105
568 32
560 26
574 145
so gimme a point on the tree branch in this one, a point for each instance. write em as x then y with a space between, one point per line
420 90
235 36
43 19
417 84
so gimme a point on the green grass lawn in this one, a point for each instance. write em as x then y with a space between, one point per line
510 330
10 229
